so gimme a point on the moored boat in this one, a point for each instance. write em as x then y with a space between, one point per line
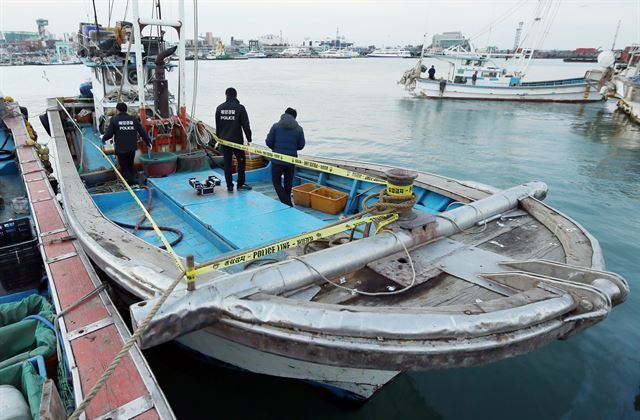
472 75
455 274
390 52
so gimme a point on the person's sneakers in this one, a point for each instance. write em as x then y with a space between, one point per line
244 187
230 188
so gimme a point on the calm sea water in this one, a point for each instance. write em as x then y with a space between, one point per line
589 155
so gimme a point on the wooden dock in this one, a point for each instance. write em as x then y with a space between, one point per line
91 328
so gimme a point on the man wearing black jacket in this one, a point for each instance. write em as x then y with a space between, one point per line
125 129
231 121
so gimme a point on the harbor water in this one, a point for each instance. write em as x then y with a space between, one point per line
589 155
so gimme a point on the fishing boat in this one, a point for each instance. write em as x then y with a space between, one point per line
390 52
474 74
374 272
624 85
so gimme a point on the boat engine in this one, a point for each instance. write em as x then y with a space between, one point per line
161 85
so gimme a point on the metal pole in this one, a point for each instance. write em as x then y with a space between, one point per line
181 57
138 51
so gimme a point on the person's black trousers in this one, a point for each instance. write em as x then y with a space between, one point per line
125 160
228 153
277 171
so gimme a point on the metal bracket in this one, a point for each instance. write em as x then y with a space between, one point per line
42 199
88 329
129 410
53 232
61 257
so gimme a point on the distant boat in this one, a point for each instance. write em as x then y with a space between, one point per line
295 52
338 53
583 55
255 54
390 53
472 75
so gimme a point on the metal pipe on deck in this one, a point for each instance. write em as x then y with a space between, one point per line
291 274
202 305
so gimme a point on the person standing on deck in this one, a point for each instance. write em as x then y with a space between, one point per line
432 73
286 137
231 121
474 77
125 129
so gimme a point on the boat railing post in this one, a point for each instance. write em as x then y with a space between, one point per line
191 277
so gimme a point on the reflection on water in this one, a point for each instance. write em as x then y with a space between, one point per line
589 155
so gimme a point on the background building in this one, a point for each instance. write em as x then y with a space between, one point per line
449 39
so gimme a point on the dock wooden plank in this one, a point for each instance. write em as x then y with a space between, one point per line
72 283
94 352
71 279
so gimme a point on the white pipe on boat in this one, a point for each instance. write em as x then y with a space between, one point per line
291 274
195 309
138 50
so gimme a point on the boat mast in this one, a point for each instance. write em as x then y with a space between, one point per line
138 52
182 98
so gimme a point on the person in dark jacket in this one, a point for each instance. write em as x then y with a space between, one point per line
231 121
432 73
286 137
125 129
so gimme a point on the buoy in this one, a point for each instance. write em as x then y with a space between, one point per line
12 404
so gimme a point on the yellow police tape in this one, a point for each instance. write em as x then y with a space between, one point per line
318 166
144 210
381 220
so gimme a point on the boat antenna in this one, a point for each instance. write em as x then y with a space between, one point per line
615 37
95 18
424 44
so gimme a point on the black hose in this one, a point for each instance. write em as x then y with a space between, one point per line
9 153
165 228
139 224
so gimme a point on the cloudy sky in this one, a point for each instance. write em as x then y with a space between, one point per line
578 23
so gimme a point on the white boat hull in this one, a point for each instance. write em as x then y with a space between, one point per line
582 92
360 383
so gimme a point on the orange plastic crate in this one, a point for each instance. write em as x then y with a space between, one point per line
301 194
328 200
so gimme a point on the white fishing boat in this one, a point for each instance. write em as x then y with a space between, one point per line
390 52
471 75
388 270
476 75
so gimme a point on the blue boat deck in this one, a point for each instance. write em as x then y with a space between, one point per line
227 222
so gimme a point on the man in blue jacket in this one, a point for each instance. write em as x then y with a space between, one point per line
286 137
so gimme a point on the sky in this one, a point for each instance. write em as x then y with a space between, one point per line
578 23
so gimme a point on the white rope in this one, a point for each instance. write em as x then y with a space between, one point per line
360 292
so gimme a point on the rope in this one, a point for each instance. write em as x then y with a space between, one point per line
125 349
360 292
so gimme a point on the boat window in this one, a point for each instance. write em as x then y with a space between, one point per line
460 79
461 71
489 74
